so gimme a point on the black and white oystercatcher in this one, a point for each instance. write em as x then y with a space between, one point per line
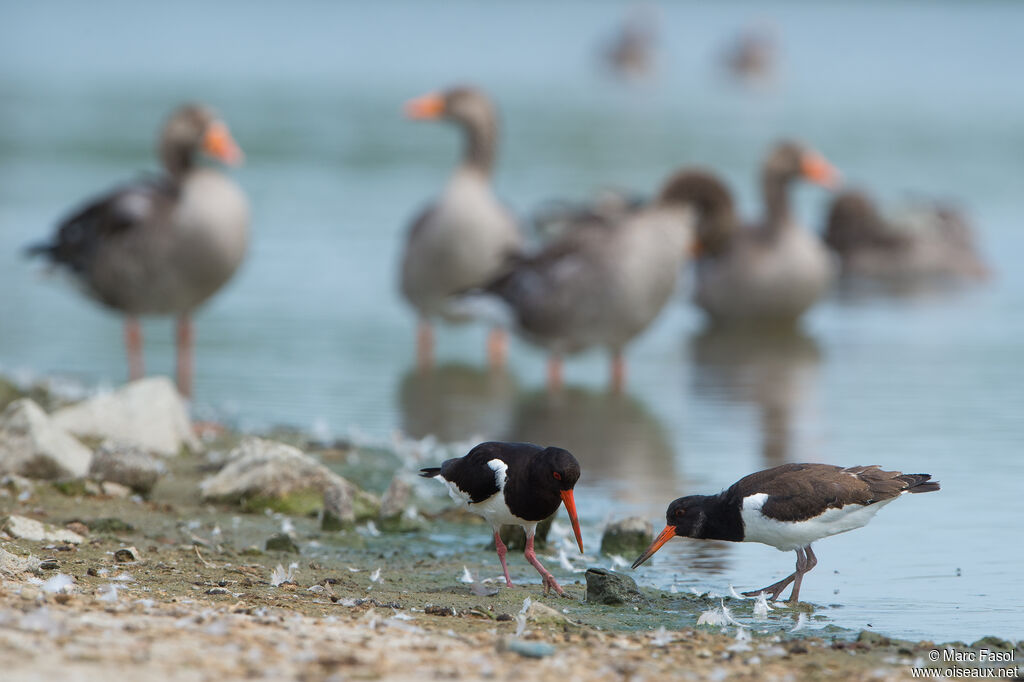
789 507
515 484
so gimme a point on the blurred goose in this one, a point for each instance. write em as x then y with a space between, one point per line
603 282
466 237
162 244
924 242
771 272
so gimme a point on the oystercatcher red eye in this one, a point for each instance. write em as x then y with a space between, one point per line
558 476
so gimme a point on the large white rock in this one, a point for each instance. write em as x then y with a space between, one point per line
32 445
37 531
148 413
267 470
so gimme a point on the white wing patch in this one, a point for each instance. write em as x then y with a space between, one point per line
500 469
787 535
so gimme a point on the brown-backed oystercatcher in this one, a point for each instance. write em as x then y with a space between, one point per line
516 484
789 507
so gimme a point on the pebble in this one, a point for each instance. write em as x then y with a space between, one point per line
282 542
525 648
126 554
609 587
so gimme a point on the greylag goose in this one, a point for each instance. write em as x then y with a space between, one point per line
161 245
925 242
774 271
603 282
466 237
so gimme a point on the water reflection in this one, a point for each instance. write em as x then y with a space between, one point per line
457 402
618 440
774 369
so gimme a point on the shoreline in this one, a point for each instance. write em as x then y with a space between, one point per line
198 595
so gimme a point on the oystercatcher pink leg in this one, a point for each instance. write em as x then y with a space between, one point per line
184 343
531 556
133 345
804 564
502 551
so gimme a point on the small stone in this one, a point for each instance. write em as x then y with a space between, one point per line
541 614
77 527
62 597
503 617
128 465
29 529
282 542
34 445
217 590
872 638
525 648
438 610
49 564
339 510
111 489
627 537
396 498
609 587
29 592
126 554
796 647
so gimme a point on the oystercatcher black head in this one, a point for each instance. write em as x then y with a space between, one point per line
788 507
514 484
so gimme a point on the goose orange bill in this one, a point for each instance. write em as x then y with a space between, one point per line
219 144
666 535
819 171
570 506
427 106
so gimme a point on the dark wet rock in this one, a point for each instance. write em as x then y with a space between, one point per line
33 445
36 531
49 564
483 590
504 617
991 642
627 537
261 474
148 413
526 648
217 590
127 465
127 555
608 587
873 639
438 610
110 524
282 542
514 537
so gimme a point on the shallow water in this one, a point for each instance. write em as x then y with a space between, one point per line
903 97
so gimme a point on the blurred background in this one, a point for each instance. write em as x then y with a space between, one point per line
903 97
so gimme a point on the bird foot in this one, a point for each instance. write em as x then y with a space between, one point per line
551 584
772 591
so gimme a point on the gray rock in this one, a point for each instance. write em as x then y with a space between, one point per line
32 445
397 514
339 509
128 465
127 555
147 413
36 531
526 648
12 565
514 537
262 474
627 537
282 542
608 587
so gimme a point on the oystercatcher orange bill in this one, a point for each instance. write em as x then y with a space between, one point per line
219 144
570 506
427 106
666 535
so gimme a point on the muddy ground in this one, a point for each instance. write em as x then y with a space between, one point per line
202 599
